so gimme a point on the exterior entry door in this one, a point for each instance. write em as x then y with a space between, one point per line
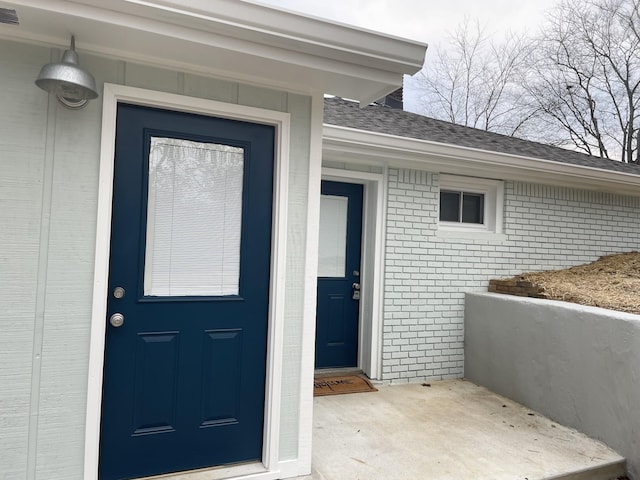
340 242
187 313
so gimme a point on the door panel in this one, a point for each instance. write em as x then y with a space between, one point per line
337 316
337 333
184 376
156 388
221 368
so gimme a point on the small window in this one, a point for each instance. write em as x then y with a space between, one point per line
461 207
472 204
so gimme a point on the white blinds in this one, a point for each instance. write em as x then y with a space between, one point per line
194 218
333 236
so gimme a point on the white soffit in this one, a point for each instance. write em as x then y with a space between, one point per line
348 144
233 39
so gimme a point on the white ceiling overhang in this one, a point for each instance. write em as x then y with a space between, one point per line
232 39
353 145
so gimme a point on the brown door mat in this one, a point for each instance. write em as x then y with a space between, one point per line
339 384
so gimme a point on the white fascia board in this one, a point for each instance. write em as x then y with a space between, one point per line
281 28
227 38
348 144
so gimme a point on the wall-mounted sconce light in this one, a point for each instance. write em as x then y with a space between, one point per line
73 85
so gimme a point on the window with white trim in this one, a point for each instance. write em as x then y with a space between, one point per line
470 204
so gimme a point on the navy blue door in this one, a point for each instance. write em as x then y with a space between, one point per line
337 314
184 374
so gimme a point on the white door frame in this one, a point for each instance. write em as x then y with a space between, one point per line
114 94
372 265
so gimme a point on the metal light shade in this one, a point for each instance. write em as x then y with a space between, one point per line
67 80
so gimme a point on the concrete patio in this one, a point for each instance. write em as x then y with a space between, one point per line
450 430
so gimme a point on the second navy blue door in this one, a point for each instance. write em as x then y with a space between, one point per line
187 313
337 316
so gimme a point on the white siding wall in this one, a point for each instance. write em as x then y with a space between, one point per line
48 198
427 273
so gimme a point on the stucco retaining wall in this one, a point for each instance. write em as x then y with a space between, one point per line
578 365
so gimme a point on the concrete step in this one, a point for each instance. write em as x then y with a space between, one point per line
450 430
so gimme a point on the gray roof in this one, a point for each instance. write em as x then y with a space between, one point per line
383 119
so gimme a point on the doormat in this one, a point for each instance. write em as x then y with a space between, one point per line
339 384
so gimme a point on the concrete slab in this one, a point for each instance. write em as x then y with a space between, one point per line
451 430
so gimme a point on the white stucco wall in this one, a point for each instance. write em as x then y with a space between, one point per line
48 199
575 364
427 272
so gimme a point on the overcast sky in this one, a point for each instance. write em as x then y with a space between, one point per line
424 20
428 21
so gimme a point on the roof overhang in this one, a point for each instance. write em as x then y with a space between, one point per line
231 39
353 145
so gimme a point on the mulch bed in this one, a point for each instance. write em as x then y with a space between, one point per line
611 282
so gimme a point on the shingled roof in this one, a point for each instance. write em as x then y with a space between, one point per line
382 119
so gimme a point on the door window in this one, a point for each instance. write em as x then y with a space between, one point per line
333 236
194 218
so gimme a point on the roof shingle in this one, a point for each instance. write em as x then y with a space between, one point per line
382 119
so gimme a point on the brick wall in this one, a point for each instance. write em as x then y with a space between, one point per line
427 272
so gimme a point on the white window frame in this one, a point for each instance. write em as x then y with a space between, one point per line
493 191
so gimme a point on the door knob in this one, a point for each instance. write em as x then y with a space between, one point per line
356 286
116 320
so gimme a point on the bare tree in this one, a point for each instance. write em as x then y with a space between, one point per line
474 80
577 85
585 84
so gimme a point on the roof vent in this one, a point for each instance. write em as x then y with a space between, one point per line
8 16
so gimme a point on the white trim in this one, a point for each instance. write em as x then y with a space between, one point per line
307 365
382 149
382 262
117 93
371 365
493 191
485 236
230 39
253 471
